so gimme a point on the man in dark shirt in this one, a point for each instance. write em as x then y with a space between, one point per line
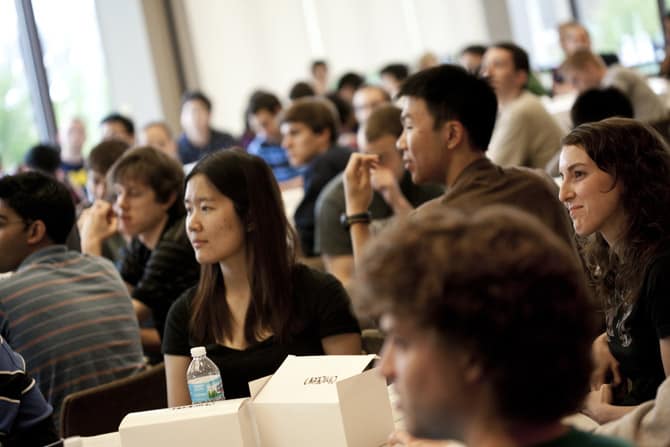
199 139
309 128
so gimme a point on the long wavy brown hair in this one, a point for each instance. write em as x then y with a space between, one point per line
270 243
635 155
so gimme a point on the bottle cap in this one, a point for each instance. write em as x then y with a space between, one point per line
198 351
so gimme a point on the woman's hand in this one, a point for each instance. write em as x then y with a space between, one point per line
604 364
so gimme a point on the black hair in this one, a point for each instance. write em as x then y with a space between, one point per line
452 93
262 100
44 158
398 71
300 90
350 79
126 122
36 196
519 55
196 95
600 103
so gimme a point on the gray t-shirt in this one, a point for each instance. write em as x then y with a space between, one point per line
647 106
332 239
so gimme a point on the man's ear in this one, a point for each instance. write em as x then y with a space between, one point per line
453 133
170 201
472 368
522 78
37 232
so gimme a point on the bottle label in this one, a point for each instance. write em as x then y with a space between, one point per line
204 389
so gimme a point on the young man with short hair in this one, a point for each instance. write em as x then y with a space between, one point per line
263 114
159 263
310 127
488 324
525 133
69 315
199 138
118 127
448 117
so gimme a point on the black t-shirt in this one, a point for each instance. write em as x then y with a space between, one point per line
322 307
317 175
161 275
635 332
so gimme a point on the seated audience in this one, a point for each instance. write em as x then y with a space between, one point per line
159 264
476 308
347 85
448 117
309 128
300 90
158 135
471 57
69 315
25 417
525 133
263 113
616 185
254 305
118 127
394 192
585 70
99 161
319 71
199 138
392 77
366 99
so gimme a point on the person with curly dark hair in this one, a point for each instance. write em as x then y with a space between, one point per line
488 327
616 186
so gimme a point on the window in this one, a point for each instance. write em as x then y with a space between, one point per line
74 61
629 28
535 27
18 130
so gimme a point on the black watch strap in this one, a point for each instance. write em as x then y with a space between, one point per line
347 221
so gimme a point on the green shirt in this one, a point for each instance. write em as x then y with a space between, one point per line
576 438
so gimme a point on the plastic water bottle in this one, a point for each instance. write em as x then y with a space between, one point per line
204 378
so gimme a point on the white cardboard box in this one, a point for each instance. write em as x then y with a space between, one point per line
322 400
223 423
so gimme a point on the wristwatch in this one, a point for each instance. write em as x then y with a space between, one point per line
348 221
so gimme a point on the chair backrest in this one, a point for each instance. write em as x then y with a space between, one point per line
100 409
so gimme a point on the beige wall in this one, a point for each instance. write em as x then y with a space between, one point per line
241 45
